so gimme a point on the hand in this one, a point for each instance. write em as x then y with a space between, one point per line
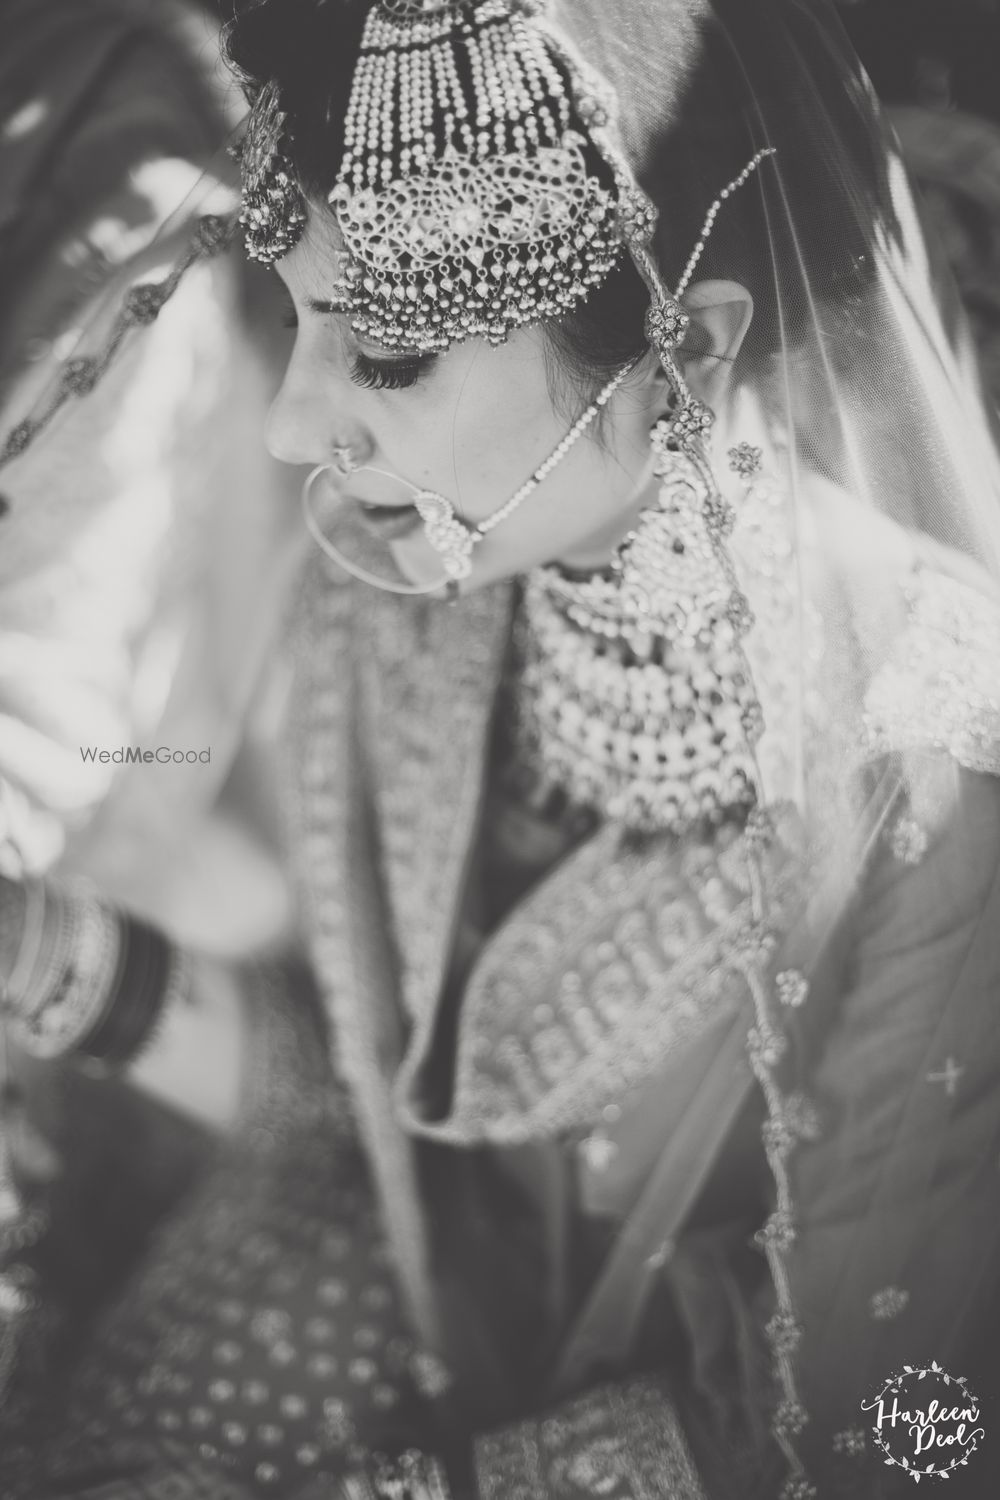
196 1061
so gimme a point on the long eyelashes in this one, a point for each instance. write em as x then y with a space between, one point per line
389 375
377 374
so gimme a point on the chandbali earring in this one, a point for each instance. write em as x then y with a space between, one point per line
634 697
366 552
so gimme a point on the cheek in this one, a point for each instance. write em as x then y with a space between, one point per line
589 498
477 436
580 497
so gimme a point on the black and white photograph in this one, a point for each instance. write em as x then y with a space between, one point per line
499 749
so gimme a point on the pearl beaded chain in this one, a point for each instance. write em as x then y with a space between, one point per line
558 453
712 215
449 535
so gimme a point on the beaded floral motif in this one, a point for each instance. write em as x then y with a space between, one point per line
746 460
666 323
798 1487
792 988
889 1303
797 1120
851 1441
908 840
790 1418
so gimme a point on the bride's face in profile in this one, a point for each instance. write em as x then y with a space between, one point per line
471 424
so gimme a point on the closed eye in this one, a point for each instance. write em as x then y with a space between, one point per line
389 374
374 374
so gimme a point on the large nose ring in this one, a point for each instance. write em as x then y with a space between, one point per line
344 460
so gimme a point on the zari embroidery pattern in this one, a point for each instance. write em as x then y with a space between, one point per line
620 1442
426 668
556 1026
940 688
266 1336
348 938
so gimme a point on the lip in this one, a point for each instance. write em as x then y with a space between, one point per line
389 523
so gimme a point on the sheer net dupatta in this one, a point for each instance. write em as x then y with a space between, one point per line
117 198
851 444
138 501
130 386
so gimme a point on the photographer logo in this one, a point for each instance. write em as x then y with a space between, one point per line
926 1421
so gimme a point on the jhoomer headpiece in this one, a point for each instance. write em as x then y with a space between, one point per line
274 212
464 197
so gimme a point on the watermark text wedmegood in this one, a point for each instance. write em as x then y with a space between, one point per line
134 755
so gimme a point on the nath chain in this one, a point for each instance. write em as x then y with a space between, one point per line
559 452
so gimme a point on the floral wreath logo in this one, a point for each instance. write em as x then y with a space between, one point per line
916 1427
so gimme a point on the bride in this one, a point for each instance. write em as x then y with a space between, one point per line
633 1120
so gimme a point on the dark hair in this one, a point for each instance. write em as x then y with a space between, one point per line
309 48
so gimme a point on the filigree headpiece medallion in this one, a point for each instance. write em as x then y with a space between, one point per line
464 197
467 197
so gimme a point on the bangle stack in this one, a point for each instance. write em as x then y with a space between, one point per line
88 980
73 977
18 982
154 976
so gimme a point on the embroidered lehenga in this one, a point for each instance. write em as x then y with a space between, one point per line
619 1222
528 1174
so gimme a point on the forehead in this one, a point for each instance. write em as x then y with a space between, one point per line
318 262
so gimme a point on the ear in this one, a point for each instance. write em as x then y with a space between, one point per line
720 312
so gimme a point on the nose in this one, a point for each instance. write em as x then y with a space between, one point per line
304 425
